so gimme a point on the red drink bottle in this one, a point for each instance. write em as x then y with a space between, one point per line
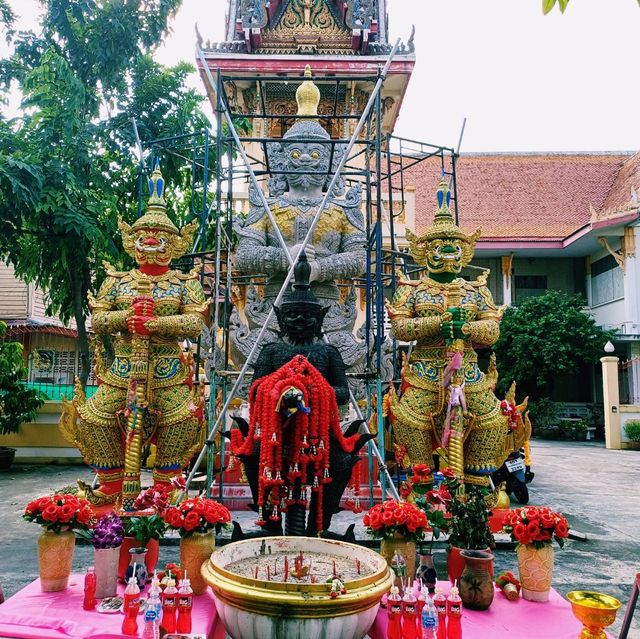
409 616
394 614
454 612
89 602
440 602
131 608
185 603
169 604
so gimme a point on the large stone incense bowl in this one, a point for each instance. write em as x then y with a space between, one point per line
299 608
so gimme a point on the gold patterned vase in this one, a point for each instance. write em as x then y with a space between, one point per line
55 556
535 566
407 549
194 551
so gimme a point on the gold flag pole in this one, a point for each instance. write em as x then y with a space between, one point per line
456 347
138 402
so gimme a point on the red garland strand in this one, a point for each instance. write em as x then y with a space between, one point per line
306 437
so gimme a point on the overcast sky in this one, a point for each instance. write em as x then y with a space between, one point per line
524 81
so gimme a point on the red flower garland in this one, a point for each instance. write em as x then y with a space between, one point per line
304 436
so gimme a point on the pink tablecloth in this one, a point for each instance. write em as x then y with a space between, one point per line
509 619
31 613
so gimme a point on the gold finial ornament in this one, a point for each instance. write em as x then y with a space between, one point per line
156 216
308 95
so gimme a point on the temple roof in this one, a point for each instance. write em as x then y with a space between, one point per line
354 27
533 196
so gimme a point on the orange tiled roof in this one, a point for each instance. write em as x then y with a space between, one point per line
520 196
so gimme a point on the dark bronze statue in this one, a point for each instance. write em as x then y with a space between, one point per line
318 470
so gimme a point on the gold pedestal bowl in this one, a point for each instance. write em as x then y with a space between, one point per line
594 610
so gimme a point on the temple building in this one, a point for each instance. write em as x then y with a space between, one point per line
337 38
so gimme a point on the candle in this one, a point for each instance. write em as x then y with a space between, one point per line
286 568
334 569
268 572
358 566
275 566
255 572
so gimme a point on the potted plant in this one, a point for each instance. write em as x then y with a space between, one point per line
467 521
59 515
534 528
398 525
632 431
419 487
195 520
107 538
18 404
144 529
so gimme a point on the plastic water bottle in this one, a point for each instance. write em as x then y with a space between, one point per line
153 612
429 620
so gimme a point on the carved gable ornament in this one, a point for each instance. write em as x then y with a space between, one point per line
307 26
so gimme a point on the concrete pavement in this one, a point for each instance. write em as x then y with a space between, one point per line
598 490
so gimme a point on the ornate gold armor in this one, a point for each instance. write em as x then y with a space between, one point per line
446 319
147 393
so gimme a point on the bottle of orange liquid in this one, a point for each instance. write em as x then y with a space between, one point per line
185 603
131 607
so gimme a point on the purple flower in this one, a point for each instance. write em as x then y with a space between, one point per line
108 532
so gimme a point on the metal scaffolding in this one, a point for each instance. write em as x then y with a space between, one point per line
220 161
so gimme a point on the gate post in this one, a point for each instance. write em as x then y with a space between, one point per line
611 398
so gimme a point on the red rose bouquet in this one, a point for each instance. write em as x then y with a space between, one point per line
197 514
60 512
536 525
390 517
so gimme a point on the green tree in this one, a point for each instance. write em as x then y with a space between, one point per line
547 5
67 164
18 404
543 337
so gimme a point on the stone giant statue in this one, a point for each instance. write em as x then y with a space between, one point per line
336 250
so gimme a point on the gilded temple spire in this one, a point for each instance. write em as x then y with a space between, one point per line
308 95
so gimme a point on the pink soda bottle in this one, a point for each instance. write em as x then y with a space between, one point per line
169 605
185 603
394 614
454 612
440 602
410 616
131 607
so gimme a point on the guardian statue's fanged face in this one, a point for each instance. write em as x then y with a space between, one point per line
154 239
311 160
153 246
444 248
444 255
